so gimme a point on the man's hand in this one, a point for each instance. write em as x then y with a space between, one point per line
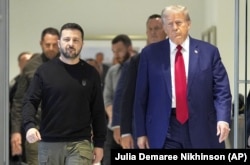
127 142
98 155
142 142
16 144
33 135
222 130
108 110
117 135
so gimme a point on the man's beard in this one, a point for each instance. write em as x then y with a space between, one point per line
127 55
68 55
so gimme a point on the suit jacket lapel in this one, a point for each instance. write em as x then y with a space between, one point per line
165 51
193 62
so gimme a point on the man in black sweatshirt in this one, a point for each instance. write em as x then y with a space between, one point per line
72 115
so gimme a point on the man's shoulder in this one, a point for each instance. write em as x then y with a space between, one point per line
32 65
202 44
156 46
35 61
127 62
114 67
35 57
112 71
14 80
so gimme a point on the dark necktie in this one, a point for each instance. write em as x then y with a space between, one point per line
180 88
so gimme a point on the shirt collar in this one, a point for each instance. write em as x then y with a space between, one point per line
185 45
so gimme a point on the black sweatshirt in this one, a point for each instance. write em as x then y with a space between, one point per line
71 101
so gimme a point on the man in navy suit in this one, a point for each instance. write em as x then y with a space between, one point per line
208 92
155 33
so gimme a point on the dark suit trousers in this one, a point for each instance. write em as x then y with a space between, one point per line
178 134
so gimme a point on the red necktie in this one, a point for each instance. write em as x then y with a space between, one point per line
180 88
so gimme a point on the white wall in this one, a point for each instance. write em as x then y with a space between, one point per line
99 18
224 21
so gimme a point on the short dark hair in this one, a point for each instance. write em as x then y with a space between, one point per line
153 16
123 38
72 26
49 30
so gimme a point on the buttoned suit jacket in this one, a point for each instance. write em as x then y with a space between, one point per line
208 94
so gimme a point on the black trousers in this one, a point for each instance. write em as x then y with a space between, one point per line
109 144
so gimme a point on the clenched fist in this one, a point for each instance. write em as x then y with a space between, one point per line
33 135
